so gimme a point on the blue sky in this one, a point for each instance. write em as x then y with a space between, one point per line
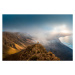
30 23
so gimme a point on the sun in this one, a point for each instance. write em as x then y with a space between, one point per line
61 29
65 31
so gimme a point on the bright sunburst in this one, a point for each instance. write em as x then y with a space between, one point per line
61 29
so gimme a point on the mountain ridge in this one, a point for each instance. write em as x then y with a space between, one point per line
16 42
33 52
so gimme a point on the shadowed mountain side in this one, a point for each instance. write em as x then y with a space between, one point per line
33 52
60 50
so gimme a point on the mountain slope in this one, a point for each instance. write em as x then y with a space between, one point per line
33 52
14 42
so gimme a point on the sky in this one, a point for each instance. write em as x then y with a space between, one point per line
42 27
36 23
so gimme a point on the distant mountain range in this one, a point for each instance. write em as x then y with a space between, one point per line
19 46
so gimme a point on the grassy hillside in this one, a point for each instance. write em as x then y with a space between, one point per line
14 42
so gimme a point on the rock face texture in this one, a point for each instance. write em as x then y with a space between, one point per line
37 52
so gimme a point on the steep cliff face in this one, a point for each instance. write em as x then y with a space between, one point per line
33 52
